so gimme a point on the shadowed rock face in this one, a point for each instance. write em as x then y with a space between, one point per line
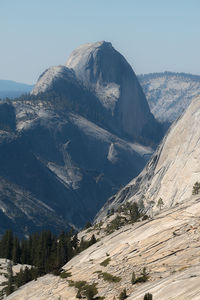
68 149
105 71
172 170
58 168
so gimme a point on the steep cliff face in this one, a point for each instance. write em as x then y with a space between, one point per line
172 170
53 76
167 246
58 168
169 94
103 70
74 141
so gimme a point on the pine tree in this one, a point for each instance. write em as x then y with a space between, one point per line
92 240
10 287
133 278
134 212
160 203
148 296
123 295
24 259
89 291
7 244
75 241
16 251
19 278
196 188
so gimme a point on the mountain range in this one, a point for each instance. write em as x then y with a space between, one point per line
79 137
73 143
82 124
12 89
163 246
169 94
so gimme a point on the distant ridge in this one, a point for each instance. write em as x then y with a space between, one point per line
169 93
167 73
13 89
83 132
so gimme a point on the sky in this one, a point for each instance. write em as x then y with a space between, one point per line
153 35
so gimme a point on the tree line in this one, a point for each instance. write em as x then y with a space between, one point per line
44 251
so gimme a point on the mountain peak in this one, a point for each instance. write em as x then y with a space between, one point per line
90 63
97 71
103 70
46 79
84 50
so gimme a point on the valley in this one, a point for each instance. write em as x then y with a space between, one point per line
85 143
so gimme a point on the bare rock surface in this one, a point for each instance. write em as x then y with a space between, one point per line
168 246
172 170
99 73
4 265
48 78
85 131
169 94
103 70
58 168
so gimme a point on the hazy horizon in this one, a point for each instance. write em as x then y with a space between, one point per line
153 36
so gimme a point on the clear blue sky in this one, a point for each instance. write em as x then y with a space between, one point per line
153 35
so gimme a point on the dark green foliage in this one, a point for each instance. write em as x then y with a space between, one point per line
196 188
79 295
134 212
87 105
15 250
87 225
142 278
115 224
85 290
123 295
85 244
130 214
109 277
10 284
89 291
148 296
105 262
45 251
92 240
65 274
145 217
79 284
75 241
98 272
25 276
71 283
6 245
133 278
110 212
131 211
